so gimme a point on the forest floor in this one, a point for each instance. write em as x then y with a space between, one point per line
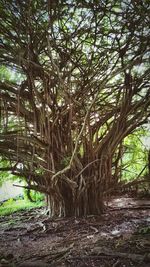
119 237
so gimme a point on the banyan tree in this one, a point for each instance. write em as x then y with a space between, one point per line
77 86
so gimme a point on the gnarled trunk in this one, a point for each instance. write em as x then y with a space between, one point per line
88 197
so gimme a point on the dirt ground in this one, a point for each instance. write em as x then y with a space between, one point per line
119 237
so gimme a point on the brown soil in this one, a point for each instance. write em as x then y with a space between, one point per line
120 237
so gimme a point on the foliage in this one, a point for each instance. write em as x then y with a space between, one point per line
35 196
6 74
135 155
83 88
11 206
144 230
6 175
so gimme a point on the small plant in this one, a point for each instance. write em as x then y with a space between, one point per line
145 230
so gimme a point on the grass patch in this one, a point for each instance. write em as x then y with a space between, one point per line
11 206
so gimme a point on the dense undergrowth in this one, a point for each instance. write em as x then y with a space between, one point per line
20 203
11 206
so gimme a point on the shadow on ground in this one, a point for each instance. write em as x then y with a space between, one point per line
120 237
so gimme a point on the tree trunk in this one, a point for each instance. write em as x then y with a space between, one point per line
87 199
